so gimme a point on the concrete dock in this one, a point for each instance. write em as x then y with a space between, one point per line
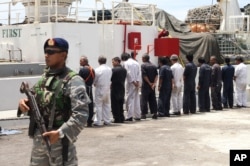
202 139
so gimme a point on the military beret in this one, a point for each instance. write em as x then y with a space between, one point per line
174 57
57 43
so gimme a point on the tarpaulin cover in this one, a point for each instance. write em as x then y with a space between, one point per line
198 44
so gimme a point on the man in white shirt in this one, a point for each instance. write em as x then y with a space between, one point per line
240 77
176 96
102 84
132 85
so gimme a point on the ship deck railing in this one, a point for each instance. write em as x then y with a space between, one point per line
119 12
233 38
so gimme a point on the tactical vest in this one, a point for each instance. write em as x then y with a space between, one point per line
50 96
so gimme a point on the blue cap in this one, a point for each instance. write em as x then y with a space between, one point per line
57 43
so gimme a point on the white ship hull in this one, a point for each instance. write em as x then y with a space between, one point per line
22 44
91 40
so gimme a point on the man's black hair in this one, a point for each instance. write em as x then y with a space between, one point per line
146 57
239 58
117 59
125 56
133 54
102 60
163 60
190 57
201 60
227 60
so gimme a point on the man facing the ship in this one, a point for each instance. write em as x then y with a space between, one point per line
164 87
102 84
204 82
216 84
227 74
149 80
118 78
88 75
240 77
176 95
63 103
189 98
133 85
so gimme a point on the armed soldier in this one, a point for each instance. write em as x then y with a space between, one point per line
63 103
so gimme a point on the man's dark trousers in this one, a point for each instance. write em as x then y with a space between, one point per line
148 97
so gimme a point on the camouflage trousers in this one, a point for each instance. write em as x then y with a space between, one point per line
39 154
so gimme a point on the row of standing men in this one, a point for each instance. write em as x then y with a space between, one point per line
110 84
63 101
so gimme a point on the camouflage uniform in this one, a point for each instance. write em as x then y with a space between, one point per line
72 101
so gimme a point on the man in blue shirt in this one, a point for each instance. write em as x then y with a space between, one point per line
165 88
203 85
189 99
227 79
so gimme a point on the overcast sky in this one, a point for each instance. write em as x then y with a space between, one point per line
178 8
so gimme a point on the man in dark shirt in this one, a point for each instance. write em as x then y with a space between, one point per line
88 75
189 99
149 81
203 85
118 77
227 74
216 84
165 88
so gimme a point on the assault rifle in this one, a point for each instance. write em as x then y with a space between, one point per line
35 112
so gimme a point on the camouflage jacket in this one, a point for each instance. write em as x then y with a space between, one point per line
67 90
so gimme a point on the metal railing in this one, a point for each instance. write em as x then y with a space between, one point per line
239 23
203 25
9 14
132 13
233 43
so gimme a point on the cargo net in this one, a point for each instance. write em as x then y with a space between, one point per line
247 9
133 13
204 19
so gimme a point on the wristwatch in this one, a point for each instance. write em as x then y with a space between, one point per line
61 135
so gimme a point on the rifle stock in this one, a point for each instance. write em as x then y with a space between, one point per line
35 112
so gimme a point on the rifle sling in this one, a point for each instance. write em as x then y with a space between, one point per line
65 149
32 126
52 112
